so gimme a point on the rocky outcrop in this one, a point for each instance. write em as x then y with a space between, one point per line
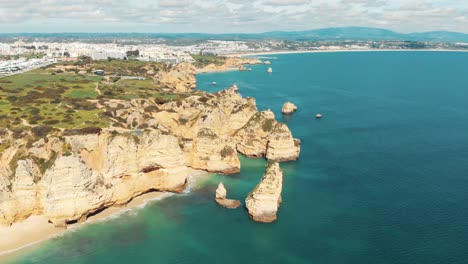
68 176
263 202
263 136
231 63
281 145
221 198
288 108
180 78
92 172
213 153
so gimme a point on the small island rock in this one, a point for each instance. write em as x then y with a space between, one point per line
263 202
221 199
288 108
221 192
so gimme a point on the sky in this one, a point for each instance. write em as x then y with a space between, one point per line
229 16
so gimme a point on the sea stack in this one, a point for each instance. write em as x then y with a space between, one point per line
263 202
221 199
288 108
270 70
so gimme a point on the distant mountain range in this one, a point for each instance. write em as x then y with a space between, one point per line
340 33
363 33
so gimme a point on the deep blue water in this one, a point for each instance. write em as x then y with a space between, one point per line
382 178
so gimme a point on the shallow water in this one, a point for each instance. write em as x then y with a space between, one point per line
382 177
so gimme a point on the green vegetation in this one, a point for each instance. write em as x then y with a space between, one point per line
59 97
205 60
268 125
226 152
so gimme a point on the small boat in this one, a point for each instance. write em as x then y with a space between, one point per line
318 116
213 83
270 70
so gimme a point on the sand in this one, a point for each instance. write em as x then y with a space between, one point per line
36 229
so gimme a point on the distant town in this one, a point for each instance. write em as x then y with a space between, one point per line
18 55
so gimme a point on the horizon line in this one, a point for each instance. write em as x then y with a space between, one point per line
237 33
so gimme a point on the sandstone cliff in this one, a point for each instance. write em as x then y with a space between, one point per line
213 153
69 176
264 136
263 202
91 172
231 63
180 79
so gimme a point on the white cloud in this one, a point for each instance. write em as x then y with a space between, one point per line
229 15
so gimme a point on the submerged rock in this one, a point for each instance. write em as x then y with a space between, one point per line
263 202
221 199
288 108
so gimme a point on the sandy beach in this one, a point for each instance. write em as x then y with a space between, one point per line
36 229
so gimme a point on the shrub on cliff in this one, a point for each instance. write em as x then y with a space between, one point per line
82 131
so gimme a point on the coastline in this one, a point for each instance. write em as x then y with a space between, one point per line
211 70
36 229
279 52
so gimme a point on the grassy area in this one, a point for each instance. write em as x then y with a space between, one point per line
65 100
205 60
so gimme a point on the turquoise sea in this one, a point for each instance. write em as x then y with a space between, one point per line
383 177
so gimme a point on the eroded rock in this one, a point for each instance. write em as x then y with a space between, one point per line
263 202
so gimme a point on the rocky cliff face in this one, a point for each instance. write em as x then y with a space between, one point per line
263 202
231 63
264 136
213 153
180 79
69 176
91 172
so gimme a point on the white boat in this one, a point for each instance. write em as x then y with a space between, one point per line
213 83
270 70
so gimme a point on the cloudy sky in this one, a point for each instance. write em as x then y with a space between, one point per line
218 16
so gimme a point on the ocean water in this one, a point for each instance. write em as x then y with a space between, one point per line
382 178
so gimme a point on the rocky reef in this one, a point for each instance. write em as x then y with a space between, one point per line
263 202
68 175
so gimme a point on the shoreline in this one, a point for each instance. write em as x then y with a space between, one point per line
212 70
35 230
279 52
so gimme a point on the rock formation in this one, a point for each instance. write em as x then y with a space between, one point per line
180 79
263 202
263 136
221 198
231 63
288 108
69 176
213 153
